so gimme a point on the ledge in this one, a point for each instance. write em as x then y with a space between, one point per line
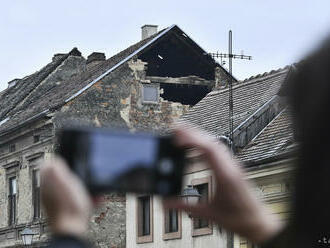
34 156
193 80
11 164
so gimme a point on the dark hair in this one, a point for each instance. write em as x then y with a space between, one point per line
310 99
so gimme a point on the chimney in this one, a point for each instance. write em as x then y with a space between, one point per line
95 58
58 56
148 30
73 52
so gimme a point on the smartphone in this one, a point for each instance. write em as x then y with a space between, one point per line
123 162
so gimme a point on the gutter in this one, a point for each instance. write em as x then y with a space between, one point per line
257 164
31 119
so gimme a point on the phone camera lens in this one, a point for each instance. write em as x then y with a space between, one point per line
166 166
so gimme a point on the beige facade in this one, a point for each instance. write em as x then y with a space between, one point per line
273 185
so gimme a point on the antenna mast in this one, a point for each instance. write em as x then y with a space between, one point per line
231 103
230 57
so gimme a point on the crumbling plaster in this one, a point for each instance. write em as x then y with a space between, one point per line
116 101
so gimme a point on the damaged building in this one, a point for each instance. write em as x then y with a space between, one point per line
144 87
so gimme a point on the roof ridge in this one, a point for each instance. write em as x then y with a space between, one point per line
267 73
73 52
248 82
55 65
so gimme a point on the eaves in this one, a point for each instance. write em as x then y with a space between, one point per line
22 124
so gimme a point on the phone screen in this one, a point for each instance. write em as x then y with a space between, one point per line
111 157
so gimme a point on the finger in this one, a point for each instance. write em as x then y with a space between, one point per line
61 185
56 178
190 135
216 154
54 171
53 176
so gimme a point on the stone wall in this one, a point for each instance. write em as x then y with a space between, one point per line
115 101
107 225
20 163
149 116
222 78
3 198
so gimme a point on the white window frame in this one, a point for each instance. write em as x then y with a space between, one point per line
140 239
142 93
209 229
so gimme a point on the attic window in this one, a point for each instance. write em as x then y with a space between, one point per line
150 93
36 138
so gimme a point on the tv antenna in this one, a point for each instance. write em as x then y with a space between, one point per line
230 57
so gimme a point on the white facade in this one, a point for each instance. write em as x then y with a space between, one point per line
272 184
215 238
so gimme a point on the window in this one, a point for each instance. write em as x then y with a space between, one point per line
150 93
12 171
144 219
12 200
203 191
204 187
144 216
172 221
12 148
36 138
172 224
36 193
34 160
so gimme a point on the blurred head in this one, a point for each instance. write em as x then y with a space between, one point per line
310 99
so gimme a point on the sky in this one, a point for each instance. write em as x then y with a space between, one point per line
274 33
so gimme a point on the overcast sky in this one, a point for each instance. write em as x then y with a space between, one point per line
275 33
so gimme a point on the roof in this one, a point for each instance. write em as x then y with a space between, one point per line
275 139
212 112
22 102
10 97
